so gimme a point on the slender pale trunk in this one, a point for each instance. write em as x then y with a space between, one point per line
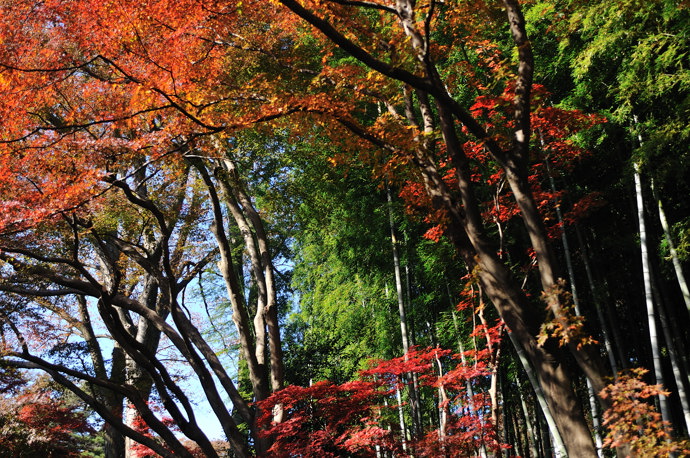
680 277
531 435
675 363
646 268
442 407
545 438
468 384
495 351
541 399
649 301
682 283
401 419
602 319
596 423
412 388
398 275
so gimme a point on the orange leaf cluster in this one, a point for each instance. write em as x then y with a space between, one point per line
632 418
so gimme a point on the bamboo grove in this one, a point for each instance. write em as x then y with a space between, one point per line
344 228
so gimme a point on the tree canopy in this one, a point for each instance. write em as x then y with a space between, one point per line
349 227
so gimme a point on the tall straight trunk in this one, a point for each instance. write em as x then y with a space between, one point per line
412 386
672 321
546 439
442 407
675 361
398 275
515 424
649 300
468 384
612 315
531 433
401 419
597 305
504 431
594 411
541 399
495 351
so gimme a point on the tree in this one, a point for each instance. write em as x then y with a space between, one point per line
139 105
627 60
465 226
145 268
37 420
330 420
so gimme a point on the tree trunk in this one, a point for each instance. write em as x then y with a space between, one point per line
411 386
541 398
511 303
596 299
596 423
649 300
551 374
678 269
531 433
676 364
465 225
495 414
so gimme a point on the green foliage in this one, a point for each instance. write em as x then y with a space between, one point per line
683 248
343 272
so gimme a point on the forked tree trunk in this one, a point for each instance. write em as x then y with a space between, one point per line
512 305
465 225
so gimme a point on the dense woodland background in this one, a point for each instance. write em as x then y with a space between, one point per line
351 228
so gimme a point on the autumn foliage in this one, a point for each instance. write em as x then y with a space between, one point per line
34 423
359 417
121 187
138 424
633 419
555 154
